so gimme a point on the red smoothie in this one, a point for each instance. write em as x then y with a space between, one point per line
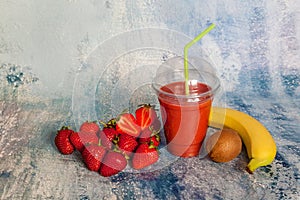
185 119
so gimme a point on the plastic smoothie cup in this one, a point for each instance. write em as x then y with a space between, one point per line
185 116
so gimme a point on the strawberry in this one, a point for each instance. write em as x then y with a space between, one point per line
145 116
153 140
107 136
89 127
62 140
80 139
150 137
113 163
126 124
127 144
92 156
145 155
76 141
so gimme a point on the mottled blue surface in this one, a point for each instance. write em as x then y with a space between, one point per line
192 178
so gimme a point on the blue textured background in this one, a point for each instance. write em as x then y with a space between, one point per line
65 61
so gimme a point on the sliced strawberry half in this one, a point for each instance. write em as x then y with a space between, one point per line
126 124
145 116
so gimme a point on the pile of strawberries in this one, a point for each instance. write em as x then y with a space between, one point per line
124 140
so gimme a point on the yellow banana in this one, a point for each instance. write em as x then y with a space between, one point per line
261 147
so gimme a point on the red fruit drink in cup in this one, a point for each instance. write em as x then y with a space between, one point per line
185 116
185 122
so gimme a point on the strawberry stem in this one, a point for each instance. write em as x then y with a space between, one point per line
65 128
151 146
115 140
99 142
110 124
102 123
146 105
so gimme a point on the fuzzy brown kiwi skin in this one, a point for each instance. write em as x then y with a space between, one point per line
224 145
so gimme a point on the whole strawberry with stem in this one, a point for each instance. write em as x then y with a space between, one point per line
127 144
108 136
62 140
144 156
89 127
92 156
113 163
81 139
150 136
153 140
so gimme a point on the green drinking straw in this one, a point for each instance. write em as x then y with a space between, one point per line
187 46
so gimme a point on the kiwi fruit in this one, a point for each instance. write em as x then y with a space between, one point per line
224 145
